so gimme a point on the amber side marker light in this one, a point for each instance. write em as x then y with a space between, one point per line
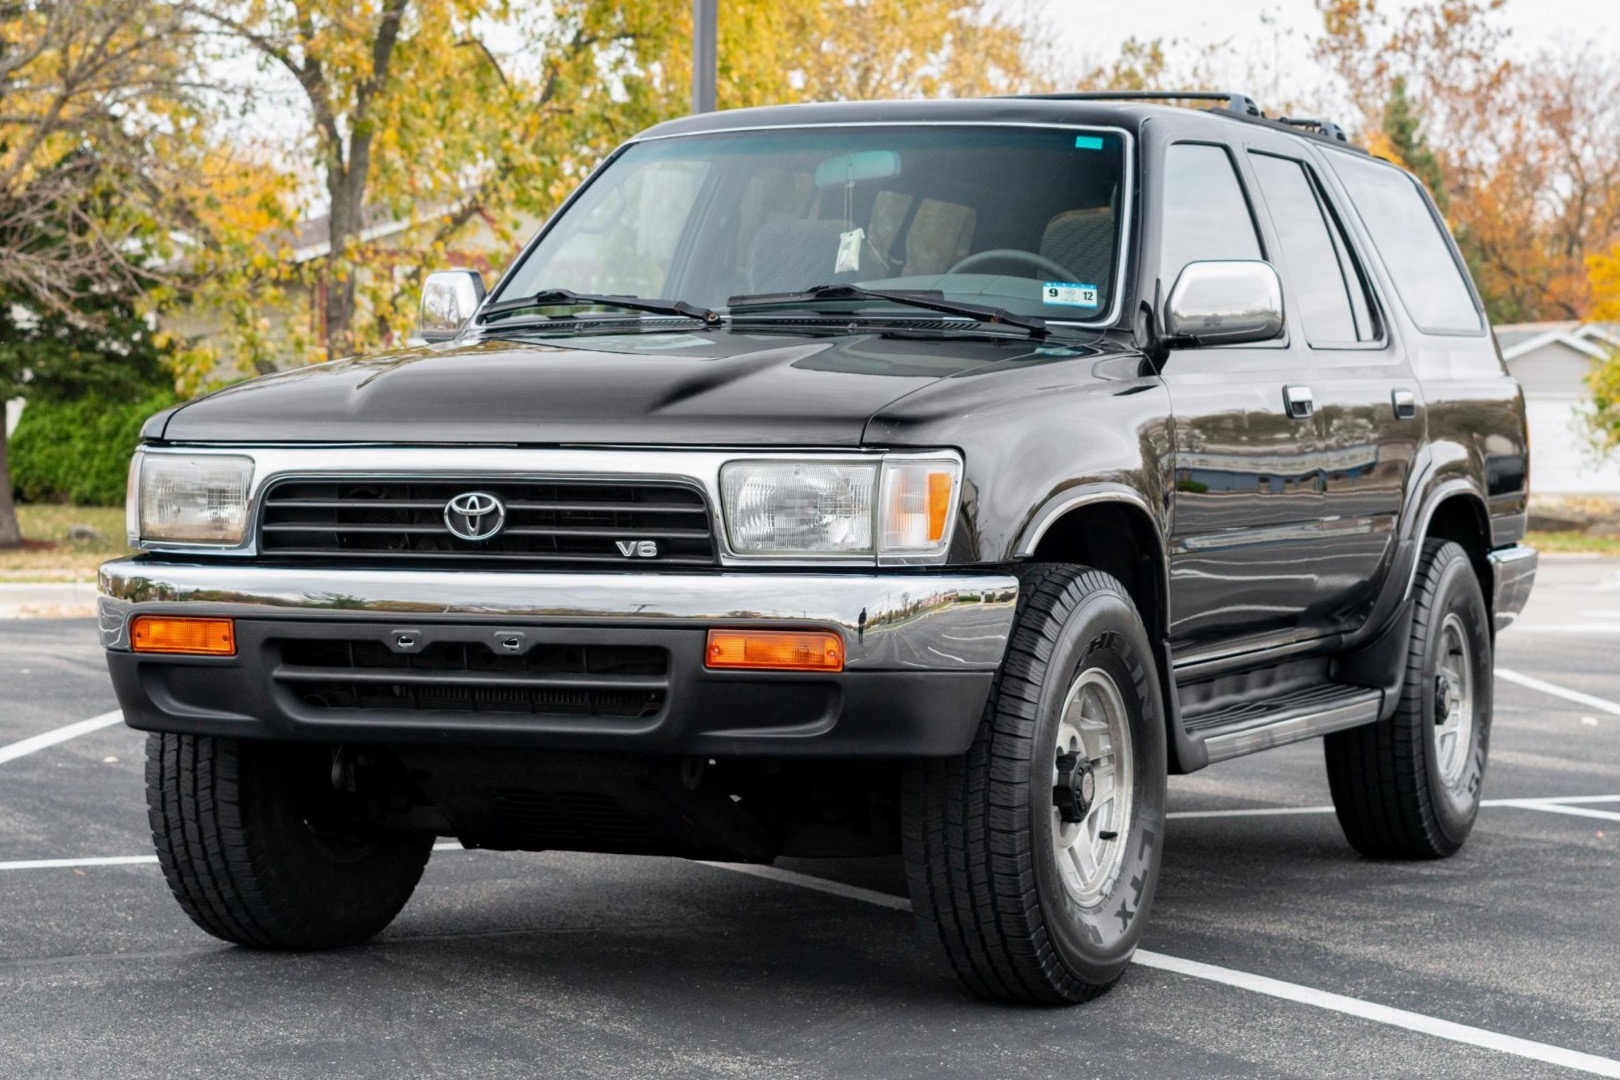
775 650
193 637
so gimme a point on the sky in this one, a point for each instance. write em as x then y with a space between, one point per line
1080 23
1089 32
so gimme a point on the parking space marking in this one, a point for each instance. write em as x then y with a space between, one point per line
836 888
1557 804
1601 704
1560 808
137 860
1253 811
24 747
1384 1014
74 864
1261 984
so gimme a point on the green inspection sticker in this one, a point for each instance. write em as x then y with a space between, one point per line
1088 142
1069 294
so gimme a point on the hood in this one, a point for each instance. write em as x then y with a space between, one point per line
725 387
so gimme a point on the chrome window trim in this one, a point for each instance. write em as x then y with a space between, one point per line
1126 210
694 467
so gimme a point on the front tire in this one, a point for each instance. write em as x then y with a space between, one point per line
1033 858
258 855
1409 787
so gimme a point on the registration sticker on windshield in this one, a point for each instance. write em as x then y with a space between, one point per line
1069 293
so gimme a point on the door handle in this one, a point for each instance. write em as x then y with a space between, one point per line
1405 403
1298 401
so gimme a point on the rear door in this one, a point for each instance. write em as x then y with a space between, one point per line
1369 414
1247 499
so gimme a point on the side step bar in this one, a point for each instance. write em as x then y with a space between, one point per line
1246 729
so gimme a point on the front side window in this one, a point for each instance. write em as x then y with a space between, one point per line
1024 219
1206 216
1413 244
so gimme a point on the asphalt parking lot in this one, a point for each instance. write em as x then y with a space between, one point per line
1503 961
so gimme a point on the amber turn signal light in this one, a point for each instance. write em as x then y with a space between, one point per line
193 637
775 650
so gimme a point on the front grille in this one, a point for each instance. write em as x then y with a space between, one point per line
547 522
627 681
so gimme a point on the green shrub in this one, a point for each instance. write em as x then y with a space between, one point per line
78 451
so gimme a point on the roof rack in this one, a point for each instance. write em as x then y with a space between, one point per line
1309 123
1238 105
1242 104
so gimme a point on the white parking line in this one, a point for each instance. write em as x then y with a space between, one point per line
1260 984
1556 808
23 747
1383 1014
1558 804
74 864
1601 704
136 860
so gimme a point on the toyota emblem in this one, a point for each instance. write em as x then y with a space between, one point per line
475 516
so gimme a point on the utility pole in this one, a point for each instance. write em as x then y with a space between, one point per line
705 54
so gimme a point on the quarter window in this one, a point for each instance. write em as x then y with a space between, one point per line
1205 213
1328 289
1412 242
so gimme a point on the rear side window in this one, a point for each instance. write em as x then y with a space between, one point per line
1413 245
1205 213
1322 275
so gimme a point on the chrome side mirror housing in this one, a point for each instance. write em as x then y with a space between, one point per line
449 298
1224 303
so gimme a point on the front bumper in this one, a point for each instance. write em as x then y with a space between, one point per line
921 650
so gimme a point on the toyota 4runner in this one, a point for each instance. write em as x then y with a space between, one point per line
918 477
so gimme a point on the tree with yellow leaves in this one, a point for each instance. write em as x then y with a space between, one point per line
457 114
98 120
1604 381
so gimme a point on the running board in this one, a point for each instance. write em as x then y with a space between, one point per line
1246 729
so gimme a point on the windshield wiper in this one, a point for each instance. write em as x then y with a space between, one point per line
567 298
930 299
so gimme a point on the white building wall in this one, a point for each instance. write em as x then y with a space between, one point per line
1562 460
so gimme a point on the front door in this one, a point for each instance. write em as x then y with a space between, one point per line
1247 504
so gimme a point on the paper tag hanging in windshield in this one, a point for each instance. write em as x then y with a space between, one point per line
849 251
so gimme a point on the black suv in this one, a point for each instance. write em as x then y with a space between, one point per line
922 477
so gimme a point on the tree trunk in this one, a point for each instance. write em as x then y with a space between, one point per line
344 224
10 532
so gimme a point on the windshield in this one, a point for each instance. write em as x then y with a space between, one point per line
1022 219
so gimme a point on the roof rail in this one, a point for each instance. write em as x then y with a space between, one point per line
1309 123
1242 104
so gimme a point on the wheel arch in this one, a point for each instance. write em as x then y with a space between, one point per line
1113 532
1457 512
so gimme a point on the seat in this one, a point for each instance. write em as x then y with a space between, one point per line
790 254
1083 241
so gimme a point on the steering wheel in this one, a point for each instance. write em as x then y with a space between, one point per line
1029 258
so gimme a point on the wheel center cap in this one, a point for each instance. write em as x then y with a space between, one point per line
1442 698
1075 789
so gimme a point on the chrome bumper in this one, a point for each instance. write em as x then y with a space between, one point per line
889 621
1513 573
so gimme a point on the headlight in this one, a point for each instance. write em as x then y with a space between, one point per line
192 499
798 507
901 506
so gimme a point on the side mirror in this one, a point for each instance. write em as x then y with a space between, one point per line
1224 303
449 298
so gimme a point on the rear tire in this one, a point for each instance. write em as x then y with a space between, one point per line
252 850
1033 858
1409 787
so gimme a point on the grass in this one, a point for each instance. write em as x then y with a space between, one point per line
65 560
1573 543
